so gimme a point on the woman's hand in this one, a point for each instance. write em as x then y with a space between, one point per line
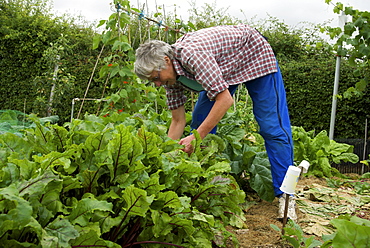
187 143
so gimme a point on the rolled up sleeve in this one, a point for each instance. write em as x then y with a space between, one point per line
175 96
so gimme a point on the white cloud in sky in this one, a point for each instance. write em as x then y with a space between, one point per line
291 12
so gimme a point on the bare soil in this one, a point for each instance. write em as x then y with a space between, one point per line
313 217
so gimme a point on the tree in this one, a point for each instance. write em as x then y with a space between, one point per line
353 43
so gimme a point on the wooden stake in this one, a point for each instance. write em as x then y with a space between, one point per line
285 212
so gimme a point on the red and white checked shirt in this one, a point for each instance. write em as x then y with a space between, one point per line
217 57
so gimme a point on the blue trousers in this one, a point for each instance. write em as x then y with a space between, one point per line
271 113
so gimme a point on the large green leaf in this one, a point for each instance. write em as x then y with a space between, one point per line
90 237
124 149
218 168
346 157
9 174
58 233
169 199
37 185
27 168
261 179
152 184
56 159
137 201
350 234
51 197
84 209
15 212
161 223
11 143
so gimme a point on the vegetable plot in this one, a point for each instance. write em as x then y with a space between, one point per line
93 183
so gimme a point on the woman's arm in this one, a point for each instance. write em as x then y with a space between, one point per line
223 102
178 123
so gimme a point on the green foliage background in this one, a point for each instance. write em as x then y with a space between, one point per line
309 87
30 39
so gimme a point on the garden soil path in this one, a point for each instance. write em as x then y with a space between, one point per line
317 205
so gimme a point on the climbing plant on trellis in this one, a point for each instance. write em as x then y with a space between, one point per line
125 30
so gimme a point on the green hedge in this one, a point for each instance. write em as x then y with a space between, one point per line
309 85
30 39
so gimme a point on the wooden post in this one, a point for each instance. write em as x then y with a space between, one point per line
52 91
285 219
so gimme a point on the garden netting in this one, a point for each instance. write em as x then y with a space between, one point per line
14 121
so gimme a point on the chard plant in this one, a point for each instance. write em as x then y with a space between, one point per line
117 181
350 231
321 152
296 237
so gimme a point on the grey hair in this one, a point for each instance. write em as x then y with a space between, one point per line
150 56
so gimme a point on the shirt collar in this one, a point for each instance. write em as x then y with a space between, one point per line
180 70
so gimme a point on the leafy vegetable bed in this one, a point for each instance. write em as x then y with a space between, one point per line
93 183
